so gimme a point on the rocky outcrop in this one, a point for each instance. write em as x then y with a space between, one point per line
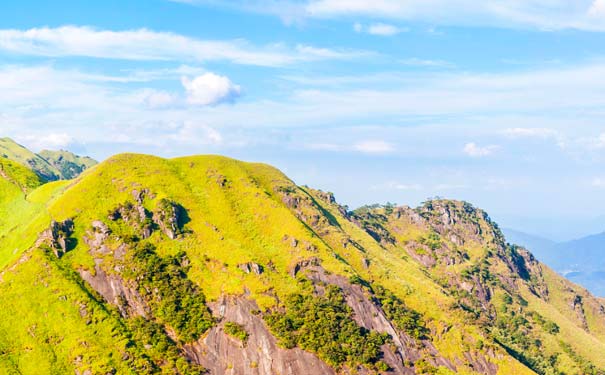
57 237
136 216
405 350
168 216
116 291
252 267
220 353
110 285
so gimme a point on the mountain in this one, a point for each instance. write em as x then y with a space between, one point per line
48 165
209 264
541 247
579 260
68 164
582 261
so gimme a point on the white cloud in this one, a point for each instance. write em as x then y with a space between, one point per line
531 133
408 186
196 133
379 29
473 150
144 44
598 182
158 99
397 186
534 14
365 147
210 89
52 141
597 9
374 147
425 62
540 14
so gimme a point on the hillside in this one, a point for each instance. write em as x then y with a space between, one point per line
67 163
48 165
205 263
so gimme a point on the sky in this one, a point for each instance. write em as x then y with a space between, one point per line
497 102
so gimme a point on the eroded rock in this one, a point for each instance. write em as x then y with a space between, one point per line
222 354
57 237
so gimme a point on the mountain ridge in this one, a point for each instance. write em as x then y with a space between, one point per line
256 264
48 165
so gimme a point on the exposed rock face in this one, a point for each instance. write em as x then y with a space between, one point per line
117 292
252 267
111 286
57 237
168 216
368 314
135 215
223 354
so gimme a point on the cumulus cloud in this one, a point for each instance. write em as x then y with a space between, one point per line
379 29
473 150
210 89
144 44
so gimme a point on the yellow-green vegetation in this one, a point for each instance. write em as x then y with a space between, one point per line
11 150
173 237
67 163
47 165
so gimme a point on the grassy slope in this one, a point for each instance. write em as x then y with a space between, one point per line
236 217
9 149
67 163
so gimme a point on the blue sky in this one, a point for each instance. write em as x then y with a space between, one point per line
497 102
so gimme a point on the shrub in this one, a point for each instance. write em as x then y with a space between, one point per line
235 330
325 325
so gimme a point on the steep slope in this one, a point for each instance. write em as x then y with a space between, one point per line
545 321
67 163
580 260
11 150
154 265
48 165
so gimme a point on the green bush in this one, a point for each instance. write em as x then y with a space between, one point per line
173 298
325 325
237 331
404 318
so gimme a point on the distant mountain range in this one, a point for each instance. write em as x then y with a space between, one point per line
581 260
48 165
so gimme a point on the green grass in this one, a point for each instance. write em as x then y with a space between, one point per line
67 163
11 150
235 214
